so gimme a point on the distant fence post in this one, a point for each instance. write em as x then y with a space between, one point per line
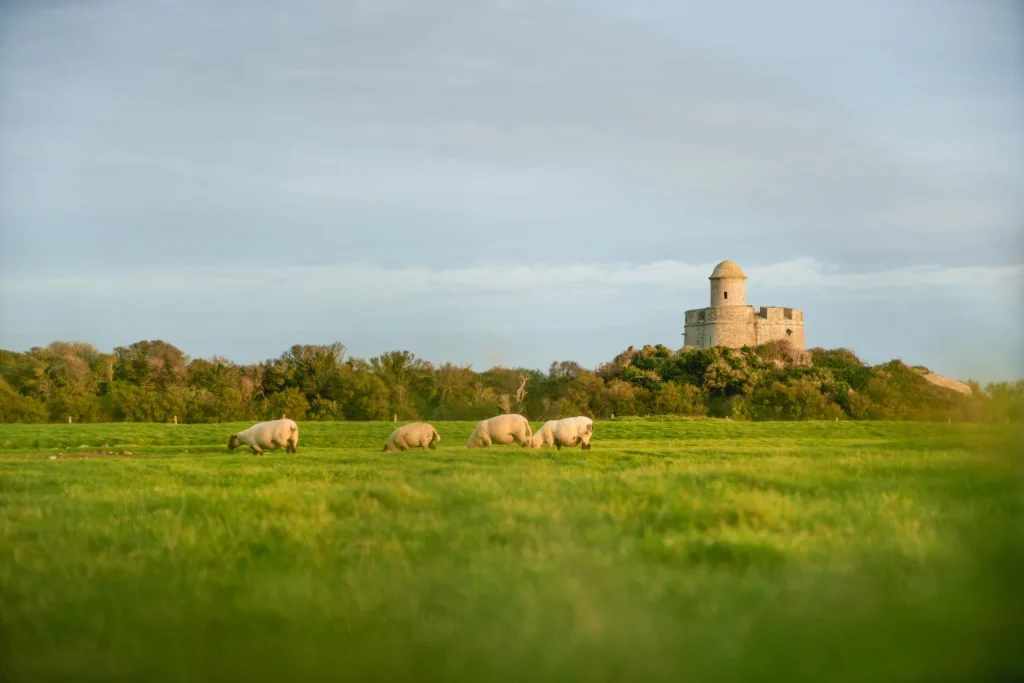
175 419
394 418
69 419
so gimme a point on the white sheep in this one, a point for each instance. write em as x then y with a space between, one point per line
568 431
503 429
283 433
415 435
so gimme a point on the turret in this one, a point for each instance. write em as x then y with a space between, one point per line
728 285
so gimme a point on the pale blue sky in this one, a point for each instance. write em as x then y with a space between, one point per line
510 182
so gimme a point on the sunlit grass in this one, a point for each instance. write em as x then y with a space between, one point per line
674 550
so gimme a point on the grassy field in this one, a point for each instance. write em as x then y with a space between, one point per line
674 550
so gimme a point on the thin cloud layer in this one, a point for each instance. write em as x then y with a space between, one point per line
354 284
399 168
564 124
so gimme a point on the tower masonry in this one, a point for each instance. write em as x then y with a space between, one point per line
730 322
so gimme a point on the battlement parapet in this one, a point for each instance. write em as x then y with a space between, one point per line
730 322
780 313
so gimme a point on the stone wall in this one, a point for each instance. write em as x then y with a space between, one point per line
731 326
693 332
730 322
737 326
774 323
728 291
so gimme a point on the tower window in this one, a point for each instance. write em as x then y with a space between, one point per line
726 295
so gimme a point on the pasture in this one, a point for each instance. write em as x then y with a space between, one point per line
675 550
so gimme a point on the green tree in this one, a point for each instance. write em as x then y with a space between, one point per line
17 408
673 398
408 379
155 364
290 403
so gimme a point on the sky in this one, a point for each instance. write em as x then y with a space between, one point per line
515 183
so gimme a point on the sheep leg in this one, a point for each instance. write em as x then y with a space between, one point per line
256 450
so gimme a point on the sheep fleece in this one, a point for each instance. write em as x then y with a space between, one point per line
503 429
415 435
568 431
283 433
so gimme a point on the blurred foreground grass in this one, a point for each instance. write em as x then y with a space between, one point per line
674 550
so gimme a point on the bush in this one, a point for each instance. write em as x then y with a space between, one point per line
796 400
844 365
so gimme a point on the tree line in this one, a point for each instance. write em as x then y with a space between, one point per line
154 381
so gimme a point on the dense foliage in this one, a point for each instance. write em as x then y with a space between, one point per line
153 381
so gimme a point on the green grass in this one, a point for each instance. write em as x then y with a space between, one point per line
675 550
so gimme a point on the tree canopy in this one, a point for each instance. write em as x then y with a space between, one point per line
154 381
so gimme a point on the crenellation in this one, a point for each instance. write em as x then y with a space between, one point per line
731 322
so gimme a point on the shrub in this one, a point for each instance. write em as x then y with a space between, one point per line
797 400
844 365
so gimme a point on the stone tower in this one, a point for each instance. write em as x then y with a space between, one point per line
730 322
728 285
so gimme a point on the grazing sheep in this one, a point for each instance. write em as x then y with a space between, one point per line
503 429
417 434
283 433
568 431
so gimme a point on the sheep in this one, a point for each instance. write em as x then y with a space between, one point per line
410 436
271 435
568 431
503 429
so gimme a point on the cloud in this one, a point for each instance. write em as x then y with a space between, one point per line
576 165
575 121
364 282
